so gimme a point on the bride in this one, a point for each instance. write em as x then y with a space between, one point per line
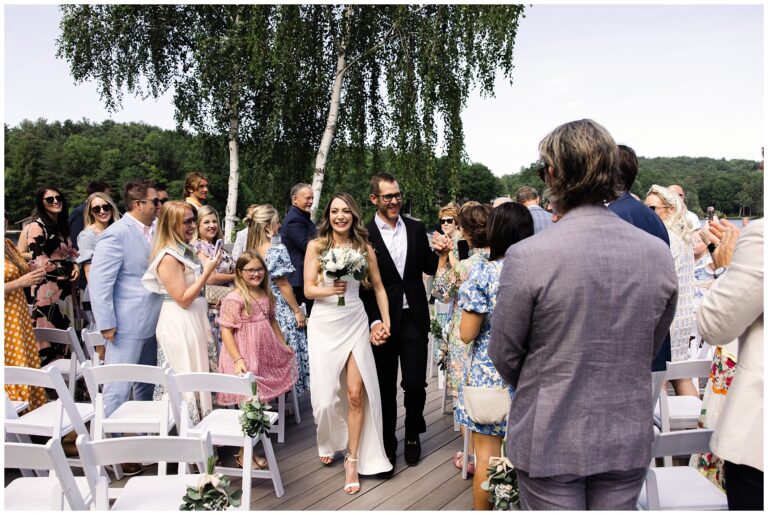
346 402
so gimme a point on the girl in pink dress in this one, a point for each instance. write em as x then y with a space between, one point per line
251 336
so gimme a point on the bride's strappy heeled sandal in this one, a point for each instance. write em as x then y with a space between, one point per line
355 484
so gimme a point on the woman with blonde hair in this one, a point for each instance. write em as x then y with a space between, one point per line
670 209
346 401
263 226
184 338
241 239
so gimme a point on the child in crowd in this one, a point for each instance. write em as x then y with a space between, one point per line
252 338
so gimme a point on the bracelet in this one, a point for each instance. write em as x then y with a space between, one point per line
238 359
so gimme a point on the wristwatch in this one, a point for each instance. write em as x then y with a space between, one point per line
711 247
720 271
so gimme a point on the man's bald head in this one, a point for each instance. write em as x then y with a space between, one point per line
677 190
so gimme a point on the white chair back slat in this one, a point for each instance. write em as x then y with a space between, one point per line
63 336
687 369
684 442
103 374
90 341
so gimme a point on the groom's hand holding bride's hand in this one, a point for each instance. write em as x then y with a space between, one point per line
379 334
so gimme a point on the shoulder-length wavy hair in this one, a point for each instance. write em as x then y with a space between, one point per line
170 227
358 234
60 224
242 287
260 219
88 216
584 157
203 212
676 222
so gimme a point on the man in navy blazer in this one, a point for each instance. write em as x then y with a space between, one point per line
126 313
296 232
638 214
403 255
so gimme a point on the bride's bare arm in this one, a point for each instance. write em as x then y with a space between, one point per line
378 288
312 288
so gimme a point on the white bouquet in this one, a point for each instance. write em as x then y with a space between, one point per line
343 263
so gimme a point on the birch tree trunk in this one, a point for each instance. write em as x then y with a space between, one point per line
234 178
333 116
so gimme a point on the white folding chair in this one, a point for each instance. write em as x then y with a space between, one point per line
132 416
279 427
145 493
682 487
680 411
59 491
90 341
53 419
19 406
224 426
70 368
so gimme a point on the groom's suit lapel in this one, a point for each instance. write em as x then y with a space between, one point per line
382 252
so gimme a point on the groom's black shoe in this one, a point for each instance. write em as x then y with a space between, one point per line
412 450
388 474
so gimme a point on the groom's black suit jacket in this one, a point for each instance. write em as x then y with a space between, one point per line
419 260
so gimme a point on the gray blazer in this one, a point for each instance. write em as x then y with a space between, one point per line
581 311
118 298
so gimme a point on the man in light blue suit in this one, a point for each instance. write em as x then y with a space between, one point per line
126 313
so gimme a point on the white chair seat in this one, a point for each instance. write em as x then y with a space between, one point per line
40 421
224 426
20 406
64 365
34 493
155 493
143 416
684 488
684 412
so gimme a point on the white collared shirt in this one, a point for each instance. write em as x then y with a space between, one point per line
396 241
141 226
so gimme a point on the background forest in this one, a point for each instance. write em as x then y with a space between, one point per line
70 154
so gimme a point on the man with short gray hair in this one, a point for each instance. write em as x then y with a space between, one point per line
295 233
529 197
574 332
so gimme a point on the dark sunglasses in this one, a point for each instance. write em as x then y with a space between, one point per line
654 208
98 209
164 200
446 220
52 200
155 201
541 169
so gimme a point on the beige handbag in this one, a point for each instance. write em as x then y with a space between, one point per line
214 294
485 404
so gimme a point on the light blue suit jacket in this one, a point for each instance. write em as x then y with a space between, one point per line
118 298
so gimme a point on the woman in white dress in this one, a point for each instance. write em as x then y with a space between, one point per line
345 392
184 338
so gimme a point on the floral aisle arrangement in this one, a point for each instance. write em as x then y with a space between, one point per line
254 420
211 492
502 482
343 263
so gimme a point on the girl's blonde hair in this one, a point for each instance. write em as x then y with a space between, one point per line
260 219
170 226
242 287
89 218
202 213
676 222
358 234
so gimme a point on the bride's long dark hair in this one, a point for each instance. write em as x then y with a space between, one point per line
358 234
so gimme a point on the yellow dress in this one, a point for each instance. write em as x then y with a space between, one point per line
20 346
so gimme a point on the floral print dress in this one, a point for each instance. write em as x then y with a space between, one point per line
278 263
445 288
478 295
225 266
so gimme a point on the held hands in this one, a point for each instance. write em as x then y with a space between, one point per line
379 334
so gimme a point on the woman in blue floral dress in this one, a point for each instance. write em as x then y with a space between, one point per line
508 224
263 226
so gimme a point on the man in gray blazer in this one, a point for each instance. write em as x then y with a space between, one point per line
581 311
126 313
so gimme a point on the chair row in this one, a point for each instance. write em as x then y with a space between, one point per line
58 418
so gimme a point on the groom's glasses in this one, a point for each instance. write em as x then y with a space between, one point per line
391 196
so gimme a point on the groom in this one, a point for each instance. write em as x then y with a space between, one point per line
403 255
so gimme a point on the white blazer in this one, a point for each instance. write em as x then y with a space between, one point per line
733 308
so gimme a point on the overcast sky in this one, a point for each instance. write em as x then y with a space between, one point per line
666 80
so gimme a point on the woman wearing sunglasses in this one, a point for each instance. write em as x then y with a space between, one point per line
51 248
99 213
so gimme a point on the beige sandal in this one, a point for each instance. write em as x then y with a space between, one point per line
257 462
355 485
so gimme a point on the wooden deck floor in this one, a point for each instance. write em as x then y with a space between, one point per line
432 484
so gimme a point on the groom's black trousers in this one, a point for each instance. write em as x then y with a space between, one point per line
409 346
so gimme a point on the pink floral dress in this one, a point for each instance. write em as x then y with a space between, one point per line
273 364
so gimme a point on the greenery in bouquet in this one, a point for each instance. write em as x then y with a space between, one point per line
254 419
211 492
436 328
343 263
501 484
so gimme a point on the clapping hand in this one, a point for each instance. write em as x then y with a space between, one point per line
441 243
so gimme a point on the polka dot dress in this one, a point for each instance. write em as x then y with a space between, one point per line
20 347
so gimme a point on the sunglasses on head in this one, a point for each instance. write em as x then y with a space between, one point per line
106 208
446 220
54 199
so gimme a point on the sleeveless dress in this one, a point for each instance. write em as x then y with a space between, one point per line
334 332
184 338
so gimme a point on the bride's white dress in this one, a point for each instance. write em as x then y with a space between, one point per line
333 333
